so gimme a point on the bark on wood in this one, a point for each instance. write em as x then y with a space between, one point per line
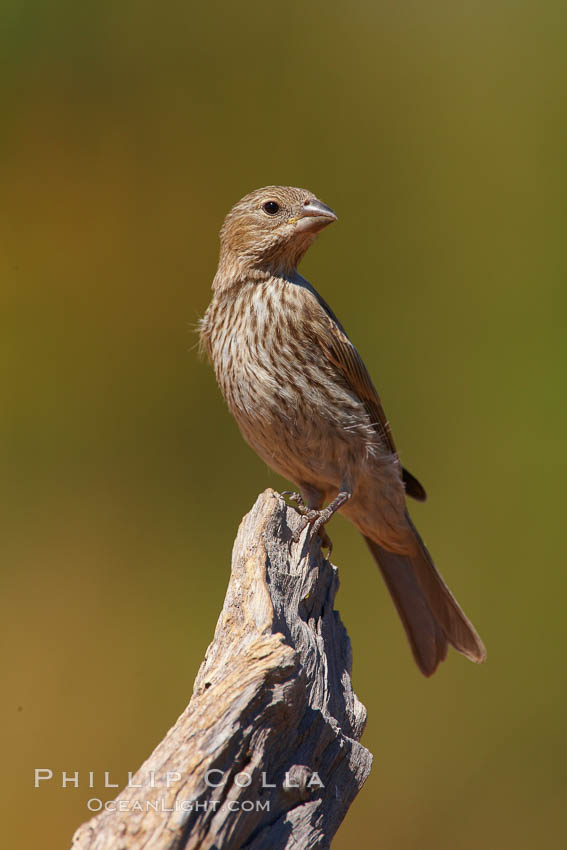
272 706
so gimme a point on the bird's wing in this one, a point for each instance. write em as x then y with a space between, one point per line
341 352
344 356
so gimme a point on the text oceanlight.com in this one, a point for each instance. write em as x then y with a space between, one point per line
160 805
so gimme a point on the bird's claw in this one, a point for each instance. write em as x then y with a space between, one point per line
316 519
293 496
298 501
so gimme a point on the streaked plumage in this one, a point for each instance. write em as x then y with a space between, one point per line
305 402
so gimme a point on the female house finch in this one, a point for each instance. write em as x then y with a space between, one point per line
305 402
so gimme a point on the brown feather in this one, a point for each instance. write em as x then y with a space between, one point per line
341 352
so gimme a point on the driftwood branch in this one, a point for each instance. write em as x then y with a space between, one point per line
267 753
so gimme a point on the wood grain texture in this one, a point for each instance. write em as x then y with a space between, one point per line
267 753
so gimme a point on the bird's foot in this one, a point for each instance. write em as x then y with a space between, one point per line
318 518
311 516
298 500
323 516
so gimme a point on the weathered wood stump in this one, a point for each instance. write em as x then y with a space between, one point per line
267 753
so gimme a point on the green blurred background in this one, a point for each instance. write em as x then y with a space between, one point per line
438 132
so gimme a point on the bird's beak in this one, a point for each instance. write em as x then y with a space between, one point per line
313 215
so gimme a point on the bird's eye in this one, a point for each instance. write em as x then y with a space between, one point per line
271 207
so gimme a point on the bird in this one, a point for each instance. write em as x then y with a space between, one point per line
304 401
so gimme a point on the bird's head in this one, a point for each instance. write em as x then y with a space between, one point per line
272 228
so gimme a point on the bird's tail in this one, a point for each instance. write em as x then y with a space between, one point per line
431 615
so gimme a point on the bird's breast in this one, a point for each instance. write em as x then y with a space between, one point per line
285 394
265 364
